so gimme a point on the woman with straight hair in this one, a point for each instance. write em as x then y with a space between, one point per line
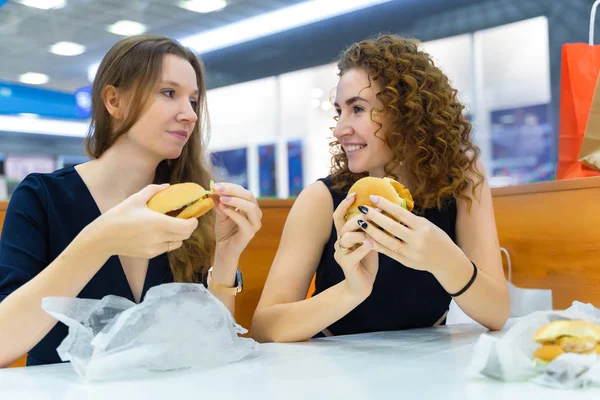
85 231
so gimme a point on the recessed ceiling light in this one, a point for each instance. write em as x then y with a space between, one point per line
29 115
127 28
67 49
316 92
34 78
92 70
326 105
44 4
203 6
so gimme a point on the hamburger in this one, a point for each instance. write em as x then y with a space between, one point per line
183 200
386 188
565 336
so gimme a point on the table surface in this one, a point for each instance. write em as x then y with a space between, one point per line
414 364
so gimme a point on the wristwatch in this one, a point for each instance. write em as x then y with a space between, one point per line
217 288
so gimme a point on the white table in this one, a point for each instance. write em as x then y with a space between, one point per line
416 364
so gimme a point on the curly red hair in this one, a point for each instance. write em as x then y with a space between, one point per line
428 134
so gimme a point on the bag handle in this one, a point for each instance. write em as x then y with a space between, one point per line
592 20
503 250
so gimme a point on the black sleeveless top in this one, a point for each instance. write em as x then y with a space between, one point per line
45 213
402 298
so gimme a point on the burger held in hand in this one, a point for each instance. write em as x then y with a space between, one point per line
566 336
183 200
386 188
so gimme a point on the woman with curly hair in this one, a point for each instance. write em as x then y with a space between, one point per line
397 116
85 231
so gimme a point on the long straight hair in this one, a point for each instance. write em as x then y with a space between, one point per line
134 65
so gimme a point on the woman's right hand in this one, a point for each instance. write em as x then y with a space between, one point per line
131 229
354 252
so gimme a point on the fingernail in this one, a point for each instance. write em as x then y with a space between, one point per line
225 198
368 243
362 224
218 187
363 209
374 199
350 195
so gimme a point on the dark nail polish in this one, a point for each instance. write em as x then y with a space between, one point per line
362 224
363 209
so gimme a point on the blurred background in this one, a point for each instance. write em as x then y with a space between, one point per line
271 76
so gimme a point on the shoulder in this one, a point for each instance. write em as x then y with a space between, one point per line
312 211
316 195
41 188
476 197
476 180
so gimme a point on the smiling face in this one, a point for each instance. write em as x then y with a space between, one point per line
165 125
356 131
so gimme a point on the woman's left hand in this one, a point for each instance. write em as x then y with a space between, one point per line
407 238
238 218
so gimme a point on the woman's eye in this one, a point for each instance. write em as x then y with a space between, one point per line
338 111
194 103
357 109
168 92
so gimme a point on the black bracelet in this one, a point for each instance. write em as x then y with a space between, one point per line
468 284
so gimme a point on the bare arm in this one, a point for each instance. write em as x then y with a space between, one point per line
24 322
283 314
487 301
129 229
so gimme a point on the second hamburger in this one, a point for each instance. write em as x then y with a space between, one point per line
565 336
386 188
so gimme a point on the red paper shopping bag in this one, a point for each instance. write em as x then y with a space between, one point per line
579 73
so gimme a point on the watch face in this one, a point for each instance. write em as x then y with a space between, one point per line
239 281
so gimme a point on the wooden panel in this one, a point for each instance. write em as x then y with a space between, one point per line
551 231
21 362
3 205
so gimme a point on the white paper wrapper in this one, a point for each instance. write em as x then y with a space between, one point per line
178 325
510 357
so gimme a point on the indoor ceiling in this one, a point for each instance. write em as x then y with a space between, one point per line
28 33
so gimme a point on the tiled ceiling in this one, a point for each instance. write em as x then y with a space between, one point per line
26 33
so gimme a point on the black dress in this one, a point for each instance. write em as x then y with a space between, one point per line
402 298
44 215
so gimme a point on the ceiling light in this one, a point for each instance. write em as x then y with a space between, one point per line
92 70
316 92
326 105
29 115
203 6
127 28
44 4
273 22
43 126
67 49
33 78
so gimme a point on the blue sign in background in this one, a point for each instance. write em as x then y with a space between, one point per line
16 99
231 166
295 175
522 144
266 170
